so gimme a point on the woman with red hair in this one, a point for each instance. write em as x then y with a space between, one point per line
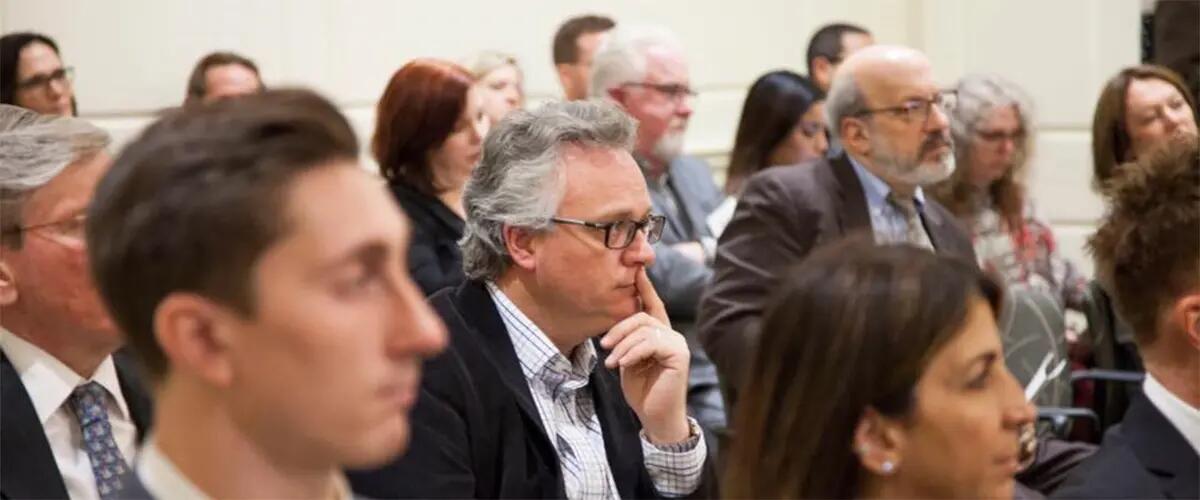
429 130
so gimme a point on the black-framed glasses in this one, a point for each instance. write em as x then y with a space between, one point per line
60 75
620 234
675 91
918 109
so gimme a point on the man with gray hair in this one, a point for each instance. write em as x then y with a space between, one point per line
74 412
558 239
643 69
891 118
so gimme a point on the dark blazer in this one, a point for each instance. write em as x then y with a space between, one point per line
434 259
476 432
27 467
680 281
1142 457
784 213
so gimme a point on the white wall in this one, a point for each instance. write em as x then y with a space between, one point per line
132 57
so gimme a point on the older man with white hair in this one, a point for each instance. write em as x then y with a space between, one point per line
645 71
73 411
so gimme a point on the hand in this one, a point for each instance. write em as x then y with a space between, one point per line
653 360
693 250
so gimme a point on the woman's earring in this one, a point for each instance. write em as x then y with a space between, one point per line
887 467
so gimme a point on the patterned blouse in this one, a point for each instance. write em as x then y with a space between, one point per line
1029 256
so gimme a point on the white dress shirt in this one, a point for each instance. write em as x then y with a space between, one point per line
565 405
162 479
1183 416
49 383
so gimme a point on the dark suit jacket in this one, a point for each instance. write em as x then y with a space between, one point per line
1143 457
434 259
476 432
784 213
680 281
27 467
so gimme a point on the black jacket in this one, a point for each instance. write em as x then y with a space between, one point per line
1142 457
476 432
434 259
27 467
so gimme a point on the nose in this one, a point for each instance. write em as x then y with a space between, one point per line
57 87
937 119
1018 411
822 144
683 107
417 330
481 128
640 252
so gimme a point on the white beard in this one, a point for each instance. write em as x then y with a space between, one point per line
669 147
913 172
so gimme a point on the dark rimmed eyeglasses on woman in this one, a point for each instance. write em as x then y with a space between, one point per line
60 75
620 234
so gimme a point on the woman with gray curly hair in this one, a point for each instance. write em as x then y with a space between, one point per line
993 136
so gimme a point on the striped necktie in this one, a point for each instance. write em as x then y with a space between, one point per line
915 233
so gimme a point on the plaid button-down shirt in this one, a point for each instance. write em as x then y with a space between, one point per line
564 403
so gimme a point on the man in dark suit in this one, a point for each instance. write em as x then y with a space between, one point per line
564 377
643 69
890 115
61 374
1147 251
283 355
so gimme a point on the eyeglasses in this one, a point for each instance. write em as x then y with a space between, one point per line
60 75
918 109
619 235
674 91
998 136
72 227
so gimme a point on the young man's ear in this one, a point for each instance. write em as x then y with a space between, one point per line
196 336
879 443
1186 315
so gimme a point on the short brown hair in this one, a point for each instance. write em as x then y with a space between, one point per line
854 326
198 82
566 39
1147 248
193 202
1110 140
418 111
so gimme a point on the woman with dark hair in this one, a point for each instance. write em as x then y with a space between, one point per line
32 75
429 131
880 374
783 123
1139 108
993 131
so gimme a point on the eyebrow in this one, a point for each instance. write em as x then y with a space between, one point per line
623 214
370 254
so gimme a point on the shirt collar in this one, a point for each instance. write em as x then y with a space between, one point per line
539 358
876 189
162 479
1183 416
49 382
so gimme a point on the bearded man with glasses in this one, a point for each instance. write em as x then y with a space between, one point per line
891 119
564 377
74 407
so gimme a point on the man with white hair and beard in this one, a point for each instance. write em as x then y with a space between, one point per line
890 116
643 69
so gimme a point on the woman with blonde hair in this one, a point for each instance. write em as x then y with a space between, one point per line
499 80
